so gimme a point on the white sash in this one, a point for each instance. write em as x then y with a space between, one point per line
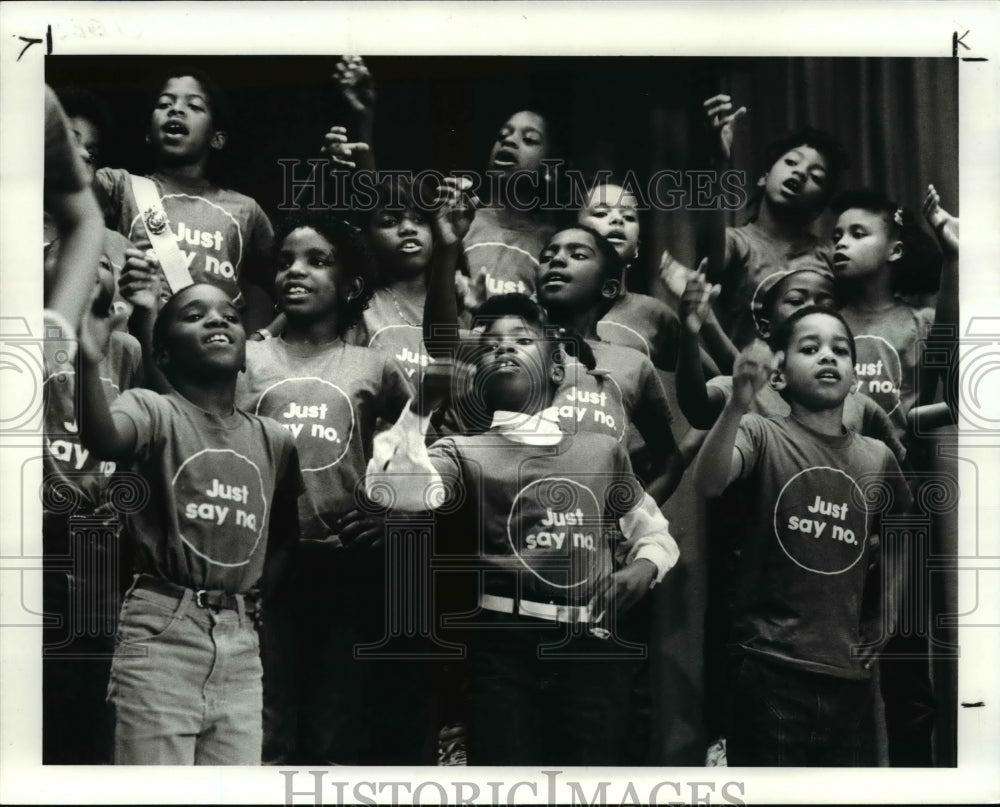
154 217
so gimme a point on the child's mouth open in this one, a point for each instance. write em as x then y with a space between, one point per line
294 291
174 128
504 158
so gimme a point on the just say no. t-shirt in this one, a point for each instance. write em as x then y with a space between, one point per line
210 483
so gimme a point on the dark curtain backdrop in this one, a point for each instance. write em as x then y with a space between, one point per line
897 117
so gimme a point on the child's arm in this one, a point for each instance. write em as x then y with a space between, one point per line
71 203
883 597
646 553
652 417
141 286
719 463
450 225
945 227
700 404
106 436
721 121
400 474
358 86
283 529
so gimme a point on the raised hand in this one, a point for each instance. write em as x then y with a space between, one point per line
141 280
696 301
356 83
721 119
454 209
752 370
338 149
944 224
95 329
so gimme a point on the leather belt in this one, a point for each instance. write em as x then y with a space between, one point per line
214 600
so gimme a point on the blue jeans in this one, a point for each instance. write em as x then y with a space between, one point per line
784 716
185 684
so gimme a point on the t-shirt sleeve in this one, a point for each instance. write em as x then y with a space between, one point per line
902 499
110 188
876 423
652 416
750 441
925 321
626 493
737 250
130 372
395 392
64 173
148 411
259 267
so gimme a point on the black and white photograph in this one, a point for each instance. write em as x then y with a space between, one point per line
319 461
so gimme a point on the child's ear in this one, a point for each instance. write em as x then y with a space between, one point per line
218 141
353 288
778 381
161 358
763 180
611 289
557 374
896 252
764 328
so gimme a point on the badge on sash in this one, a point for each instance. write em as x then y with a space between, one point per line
156 222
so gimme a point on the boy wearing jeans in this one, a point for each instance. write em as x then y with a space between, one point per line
811 601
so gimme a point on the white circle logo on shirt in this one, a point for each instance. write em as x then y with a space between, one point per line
319 415
821 520
554 530
221 506
879 371
586 404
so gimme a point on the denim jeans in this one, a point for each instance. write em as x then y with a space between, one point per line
784 716
185 684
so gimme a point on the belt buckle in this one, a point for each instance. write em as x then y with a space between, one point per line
199 598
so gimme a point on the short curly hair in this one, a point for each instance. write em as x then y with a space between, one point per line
353 258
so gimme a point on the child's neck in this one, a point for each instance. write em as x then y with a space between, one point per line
874 292
215 395
512 217
583 322
825 421
184 171
781 226
529 407
412 289
322 331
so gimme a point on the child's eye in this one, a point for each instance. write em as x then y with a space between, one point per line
631 217
795 300
841 351
387 221
809 349
580 256
525 341
532 141
231 318
598 214
819 179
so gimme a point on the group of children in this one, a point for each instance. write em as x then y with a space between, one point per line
487 371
